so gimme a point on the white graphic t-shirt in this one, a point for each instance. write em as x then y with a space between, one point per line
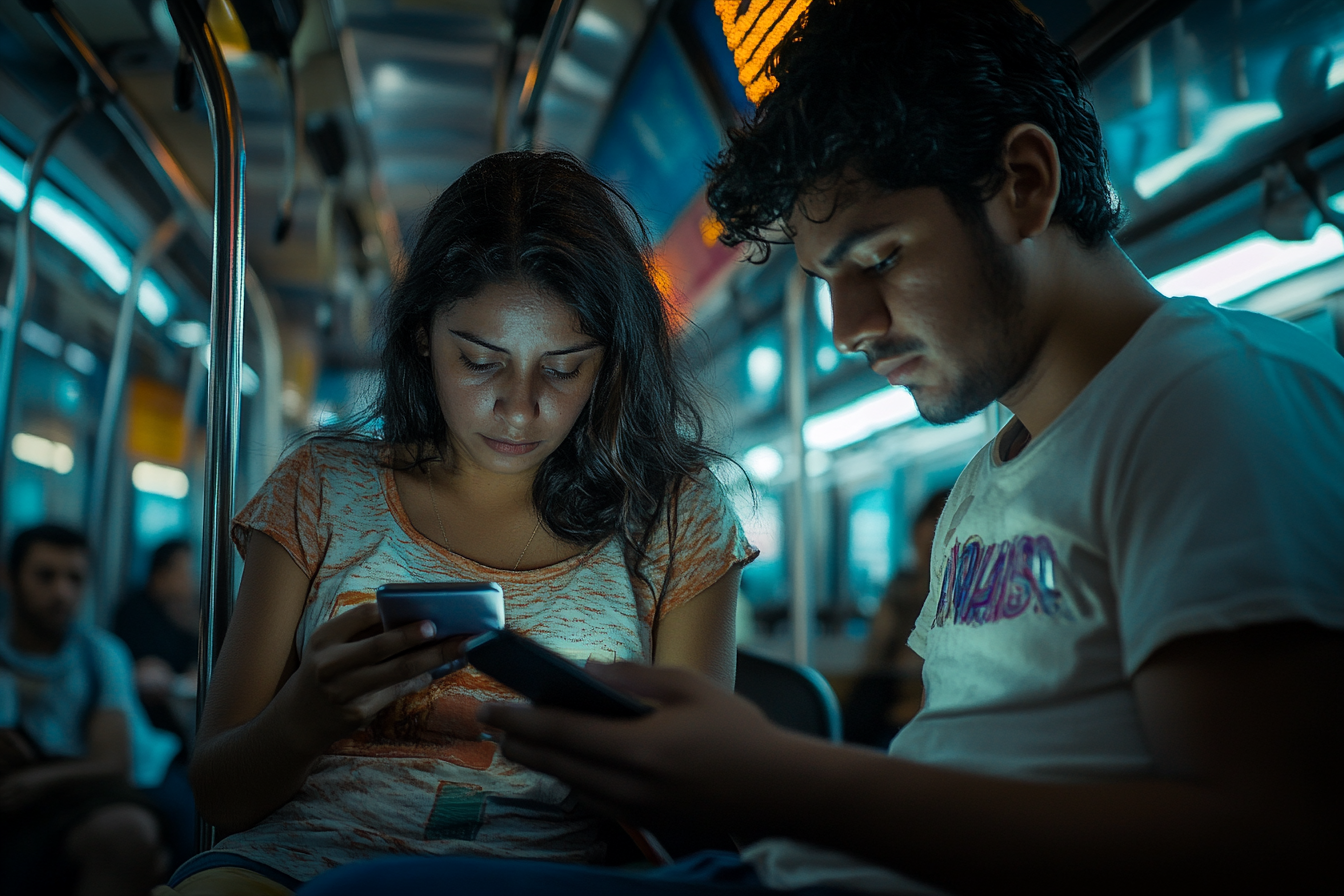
1195 485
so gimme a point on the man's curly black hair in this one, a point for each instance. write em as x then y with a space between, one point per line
911 93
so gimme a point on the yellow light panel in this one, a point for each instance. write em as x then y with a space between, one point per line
753 29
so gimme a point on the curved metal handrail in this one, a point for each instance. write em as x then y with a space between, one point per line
226 338
20 289
109 419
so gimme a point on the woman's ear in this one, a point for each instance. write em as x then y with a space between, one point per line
422 342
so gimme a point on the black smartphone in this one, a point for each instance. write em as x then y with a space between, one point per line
545 677
455 608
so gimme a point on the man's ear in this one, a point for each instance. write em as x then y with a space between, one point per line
1031 187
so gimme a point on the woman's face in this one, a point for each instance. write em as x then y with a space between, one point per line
513 372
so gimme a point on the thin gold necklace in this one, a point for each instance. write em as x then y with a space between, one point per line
443 533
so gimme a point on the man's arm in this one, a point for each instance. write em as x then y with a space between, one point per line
109 755
1245 728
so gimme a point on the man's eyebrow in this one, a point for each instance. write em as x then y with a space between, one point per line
471 337
839 250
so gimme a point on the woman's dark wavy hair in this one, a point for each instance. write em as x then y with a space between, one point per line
542 219
911 93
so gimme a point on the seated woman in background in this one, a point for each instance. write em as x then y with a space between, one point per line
532 430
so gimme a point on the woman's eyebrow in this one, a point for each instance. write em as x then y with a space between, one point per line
473 338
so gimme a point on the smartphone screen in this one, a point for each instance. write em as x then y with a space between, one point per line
546 678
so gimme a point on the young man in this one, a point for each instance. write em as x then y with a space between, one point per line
1132 645
68 814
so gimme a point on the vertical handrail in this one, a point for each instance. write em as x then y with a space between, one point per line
21 281
553 34
226 342
109 419
799 520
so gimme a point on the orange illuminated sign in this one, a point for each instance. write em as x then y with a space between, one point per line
754 28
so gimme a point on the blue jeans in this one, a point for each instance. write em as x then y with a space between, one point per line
703 872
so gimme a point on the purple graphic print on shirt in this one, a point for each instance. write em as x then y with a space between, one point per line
987 583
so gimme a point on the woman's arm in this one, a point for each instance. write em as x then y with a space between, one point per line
269 716
701 634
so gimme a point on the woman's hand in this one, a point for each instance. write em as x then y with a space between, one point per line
351 670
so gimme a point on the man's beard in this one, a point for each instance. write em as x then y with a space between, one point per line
1007 349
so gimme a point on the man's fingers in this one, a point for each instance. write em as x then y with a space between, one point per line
600 782
572 732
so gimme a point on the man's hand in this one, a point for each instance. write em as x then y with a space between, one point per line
704 753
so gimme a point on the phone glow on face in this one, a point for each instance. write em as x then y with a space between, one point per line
513 372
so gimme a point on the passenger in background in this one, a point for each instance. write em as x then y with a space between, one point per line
159 624
70 820
890 690
533 430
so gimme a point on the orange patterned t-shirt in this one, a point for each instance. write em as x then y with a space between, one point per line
418 780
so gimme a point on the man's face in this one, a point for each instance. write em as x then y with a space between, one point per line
934 301
48 587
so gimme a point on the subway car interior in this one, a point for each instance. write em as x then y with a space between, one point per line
183 182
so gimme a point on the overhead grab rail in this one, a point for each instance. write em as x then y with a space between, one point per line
558 25
226 332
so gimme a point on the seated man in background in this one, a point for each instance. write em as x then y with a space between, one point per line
159 624
1133 654
70 820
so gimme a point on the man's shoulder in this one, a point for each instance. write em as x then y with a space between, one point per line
1189 332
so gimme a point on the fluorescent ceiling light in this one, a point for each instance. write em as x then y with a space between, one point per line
45 453
42 339
80 358
1248 264
827 358
188 333
764 366
159 480
1336 75
860 419
1224 126
66 222
763 462
153 301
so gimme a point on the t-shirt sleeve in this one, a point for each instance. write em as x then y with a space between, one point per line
1227 509
708 537
288 509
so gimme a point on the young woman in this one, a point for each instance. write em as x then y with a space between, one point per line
533 432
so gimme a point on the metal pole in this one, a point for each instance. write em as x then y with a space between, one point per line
226 331
109 420
561 19
799 520
21 279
